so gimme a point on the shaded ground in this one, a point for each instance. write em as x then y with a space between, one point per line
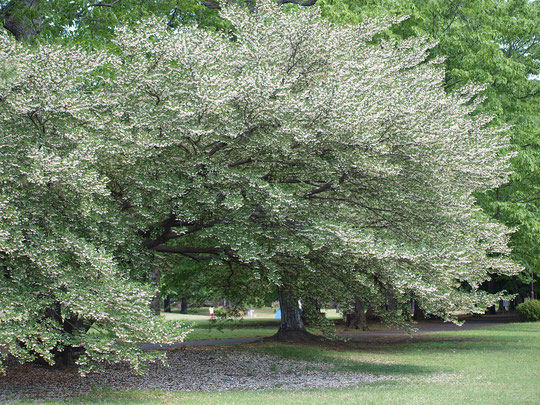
191 369
379 335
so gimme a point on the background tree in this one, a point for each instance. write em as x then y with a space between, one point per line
94 22
195 283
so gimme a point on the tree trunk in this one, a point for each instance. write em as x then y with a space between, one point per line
292 327
391 300
512 306
183 306
64 356
155 303
22 18
418 314
356 319
167 304
491 290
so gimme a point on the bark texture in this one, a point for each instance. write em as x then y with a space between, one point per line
356 319
292 326
22 18
155 304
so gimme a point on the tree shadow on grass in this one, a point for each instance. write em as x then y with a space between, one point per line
384 350
318 354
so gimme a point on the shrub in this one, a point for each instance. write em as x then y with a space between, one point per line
529 311
220 312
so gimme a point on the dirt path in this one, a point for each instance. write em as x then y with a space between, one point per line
378 335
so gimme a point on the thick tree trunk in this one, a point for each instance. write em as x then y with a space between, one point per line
64 356
292 327
155 303
21 19
356 319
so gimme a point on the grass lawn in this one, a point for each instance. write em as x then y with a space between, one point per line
262 325
495 365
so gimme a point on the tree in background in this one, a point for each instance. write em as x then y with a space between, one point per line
94 22
194 283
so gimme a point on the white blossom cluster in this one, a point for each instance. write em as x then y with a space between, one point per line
292 146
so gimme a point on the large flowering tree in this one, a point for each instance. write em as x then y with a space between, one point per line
292 147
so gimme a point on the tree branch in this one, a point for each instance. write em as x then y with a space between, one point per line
241 162
325 187
305 3
101 4
169 235
186 250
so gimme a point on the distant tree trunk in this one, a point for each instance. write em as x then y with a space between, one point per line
370 315
21 19
391 300
167 304
356 319
418 313
292 327
183 305
532 286
155 303
491 290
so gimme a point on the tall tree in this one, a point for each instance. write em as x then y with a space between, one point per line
294 147
273 151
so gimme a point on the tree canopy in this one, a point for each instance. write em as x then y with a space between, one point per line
292 146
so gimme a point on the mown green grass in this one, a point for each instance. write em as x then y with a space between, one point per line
262 325
495 365
204 332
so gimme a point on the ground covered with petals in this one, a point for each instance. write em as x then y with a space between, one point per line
192 369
